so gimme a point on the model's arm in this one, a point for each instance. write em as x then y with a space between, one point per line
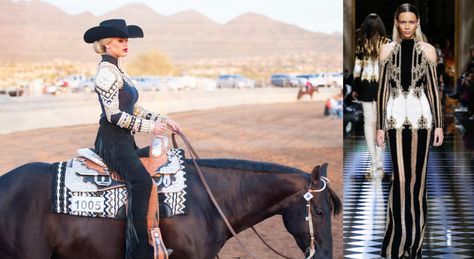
107 84
433 94
382 93
432 86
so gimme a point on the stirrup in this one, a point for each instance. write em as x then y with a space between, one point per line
159 249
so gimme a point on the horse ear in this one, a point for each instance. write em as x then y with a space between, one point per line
315 173
324 170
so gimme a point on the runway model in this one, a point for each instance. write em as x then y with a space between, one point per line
371 36
409 109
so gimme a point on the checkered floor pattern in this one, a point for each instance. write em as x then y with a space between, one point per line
450 227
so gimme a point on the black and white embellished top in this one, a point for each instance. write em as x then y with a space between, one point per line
118 98
408 91
366 68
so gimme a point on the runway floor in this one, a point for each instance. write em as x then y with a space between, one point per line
450 184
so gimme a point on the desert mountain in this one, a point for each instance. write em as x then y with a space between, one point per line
34 31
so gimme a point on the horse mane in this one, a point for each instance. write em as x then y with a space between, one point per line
248 165
335 201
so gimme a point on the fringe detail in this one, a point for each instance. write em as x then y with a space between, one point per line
131 237
110 136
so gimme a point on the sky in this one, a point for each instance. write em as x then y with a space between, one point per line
313 15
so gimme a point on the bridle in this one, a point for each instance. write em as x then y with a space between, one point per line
308 196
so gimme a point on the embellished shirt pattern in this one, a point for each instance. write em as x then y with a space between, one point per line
118 98
408 93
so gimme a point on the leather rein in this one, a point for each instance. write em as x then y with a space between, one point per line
307 196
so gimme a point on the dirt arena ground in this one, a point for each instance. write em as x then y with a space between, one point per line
295 134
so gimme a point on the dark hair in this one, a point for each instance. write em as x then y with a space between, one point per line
406 8
370 32
372 26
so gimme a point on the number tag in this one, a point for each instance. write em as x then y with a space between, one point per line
87 204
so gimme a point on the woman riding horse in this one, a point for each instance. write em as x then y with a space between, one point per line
121 118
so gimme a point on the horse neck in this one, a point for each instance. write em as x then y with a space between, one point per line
258 196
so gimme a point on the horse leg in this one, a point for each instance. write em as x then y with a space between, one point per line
190 238
39 249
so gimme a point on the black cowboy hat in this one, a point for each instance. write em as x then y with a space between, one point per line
112 28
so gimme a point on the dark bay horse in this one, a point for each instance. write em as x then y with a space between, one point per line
309 90
247 191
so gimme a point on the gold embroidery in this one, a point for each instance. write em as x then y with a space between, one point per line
422 123
391 122
406 122
417 92
419 76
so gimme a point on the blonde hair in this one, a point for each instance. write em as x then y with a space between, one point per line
407 7
99 45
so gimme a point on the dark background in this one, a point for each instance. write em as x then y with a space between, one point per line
437 16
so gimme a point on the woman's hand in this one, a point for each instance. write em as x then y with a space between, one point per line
159 129
173 125
438 137
380 138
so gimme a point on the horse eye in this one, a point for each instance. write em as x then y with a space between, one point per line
319 212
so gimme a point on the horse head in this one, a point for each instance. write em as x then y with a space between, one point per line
308 215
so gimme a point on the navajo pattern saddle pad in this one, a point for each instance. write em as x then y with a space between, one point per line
75 192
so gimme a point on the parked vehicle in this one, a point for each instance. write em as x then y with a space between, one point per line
85 85
234 81
12 92
71 81
53 89
338 78
312 78
147 83
326 79
284 80
170 83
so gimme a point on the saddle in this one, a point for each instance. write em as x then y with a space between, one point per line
161 161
